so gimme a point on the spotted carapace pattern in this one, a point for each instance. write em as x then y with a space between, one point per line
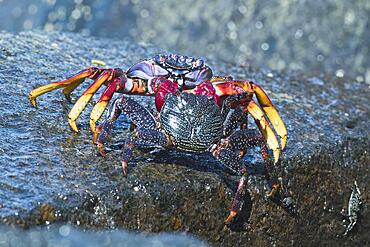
193 121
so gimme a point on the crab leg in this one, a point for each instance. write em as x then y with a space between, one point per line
265 128
227 151
144 136
272 114
237 202
69 84
234 87
146 131
232 161
138 115
69 89
99 107
85 98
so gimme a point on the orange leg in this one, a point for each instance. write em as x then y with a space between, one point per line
85 98
101 76
69 89
101 105
272 114
264 128
225 88
69 84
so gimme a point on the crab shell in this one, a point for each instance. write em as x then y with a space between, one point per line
193 121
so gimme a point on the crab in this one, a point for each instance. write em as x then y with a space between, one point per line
354 208
145 78
194 122
197 112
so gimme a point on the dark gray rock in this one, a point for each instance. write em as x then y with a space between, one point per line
49 174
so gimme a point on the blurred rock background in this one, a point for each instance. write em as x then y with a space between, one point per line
327 36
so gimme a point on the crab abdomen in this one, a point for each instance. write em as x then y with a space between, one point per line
193 121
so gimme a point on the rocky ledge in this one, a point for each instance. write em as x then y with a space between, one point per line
50 174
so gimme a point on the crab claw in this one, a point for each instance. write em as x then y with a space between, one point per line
263 113
101 134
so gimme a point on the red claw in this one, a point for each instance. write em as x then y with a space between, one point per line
208 89
165 86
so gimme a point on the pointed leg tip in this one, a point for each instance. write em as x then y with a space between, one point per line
73 125
96 133
274 190
230 217
283 142
92 127
124 168
95 137
276 155
32 101
101 149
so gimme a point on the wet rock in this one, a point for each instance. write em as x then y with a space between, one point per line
50 174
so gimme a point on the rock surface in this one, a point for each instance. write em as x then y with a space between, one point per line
49 174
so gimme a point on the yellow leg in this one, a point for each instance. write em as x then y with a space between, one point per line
265 128
96 113
59 84
99 107
85 98
272 114
69 89
41 90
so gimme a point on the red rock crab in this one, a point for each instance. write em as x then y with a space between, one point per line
197 112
